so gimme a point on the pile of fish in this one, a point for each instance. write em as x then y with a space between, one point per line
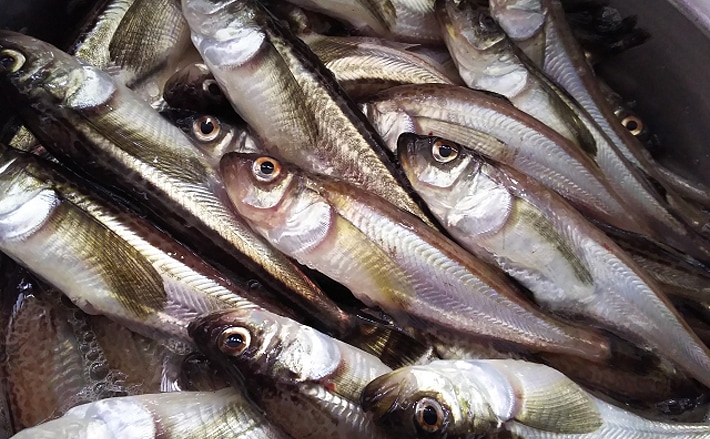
343 219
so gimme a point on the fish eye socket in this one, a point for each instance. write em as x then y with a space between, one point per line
487 22
206 128
234 341
210 86
11 60
428 415
443 151
266 169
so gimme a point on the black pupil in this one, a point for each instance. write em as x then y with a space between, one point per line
6 61
206 127
488 21
234 341
445 151
631 125
214 89
267 168
429 416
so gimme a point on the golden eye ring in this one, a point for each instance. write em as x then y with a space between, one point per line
234 341
206 128
11 60
633 124
444 151
266 169
429 415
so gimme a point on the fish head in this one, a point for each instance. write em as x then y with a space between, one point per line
194 87
34 72
258 186
470 21
435 167
413 402
520 19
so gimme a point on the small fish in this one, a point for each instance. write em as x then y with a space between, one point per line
388 258
209 415
571 267
503 398
194 88
290 99
297 368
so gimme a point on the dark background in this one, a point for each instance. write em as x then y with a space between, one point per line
668 76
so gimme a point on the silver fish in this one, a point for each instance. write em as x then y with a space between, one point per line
307 371
499 398
496 129
100 128
290 99
209 415
389 259
571 267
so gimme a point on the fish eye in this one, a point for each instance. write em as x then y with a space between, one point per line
444 151
487 22
428 415
11 60
266 169
206 128
210 86
234 341
633 124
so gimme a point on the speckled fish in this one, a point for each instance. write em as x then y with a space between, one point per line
572 268
388 258
540 28
290 99
179 415
102 129
54 360
106 260
493 127
363 66
306 382
503 398
410 21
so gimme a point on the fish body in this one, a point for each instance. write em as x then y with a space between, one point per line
179 415
570 266
100 128
495 398
496 129
290 99
388 259
298 370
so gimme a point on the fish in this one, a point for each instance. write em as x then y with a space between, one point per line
293 103
99 128
53 359
503 398
496 129
390 259
209 415
571 267
364 66
106 260
556 52
194 88
293 369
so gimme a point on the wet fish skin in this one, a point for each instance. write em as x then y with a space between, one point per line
193 88
494 128
292 101
388 259
100 128
491 397
572 268
209 415
293 369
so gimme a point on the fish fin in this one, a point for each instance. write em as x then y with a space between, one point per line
390 344
550 401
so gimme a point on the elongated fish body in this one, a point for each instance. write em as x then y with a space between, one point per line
179 415
388 259
487 60
411 21
298 370
571 267
496 129
100 128
109 262
291 100
363 66
564 62
500 398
